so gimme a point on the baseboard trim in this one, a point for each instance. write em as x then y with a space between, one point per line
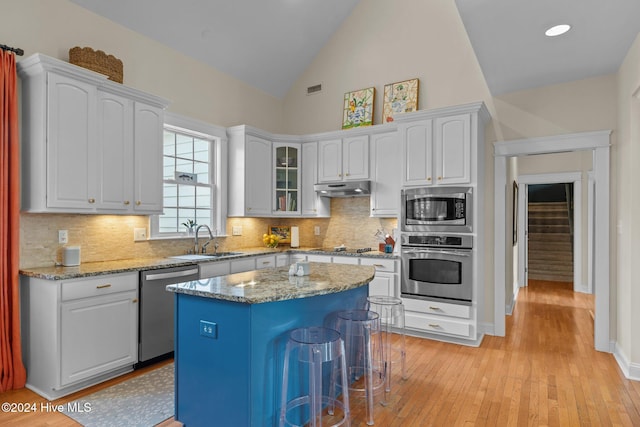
630 370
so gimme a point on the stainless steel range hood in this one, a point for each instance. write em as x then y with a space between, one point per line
343 189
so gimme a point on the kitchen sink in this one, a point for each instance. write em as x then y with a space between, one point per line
199 257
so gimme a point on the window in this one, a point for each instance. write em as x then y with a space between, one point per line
191 178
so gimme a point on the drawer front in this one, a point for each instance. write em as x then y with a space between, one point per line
438 325
384 265
439 308
346 260
99 285
214 269
318 258
243 265
268 261
298 258
282 260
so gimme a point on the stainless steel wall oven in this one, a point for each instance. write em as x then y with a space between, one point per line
437 209
437 267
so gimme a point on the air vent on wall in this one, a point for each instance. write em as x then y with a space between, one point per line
314 89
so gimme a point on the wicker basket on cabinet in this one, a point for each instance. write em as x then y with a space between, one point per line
98 61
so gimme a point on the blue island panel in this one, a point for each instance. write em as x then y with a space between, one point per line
234 379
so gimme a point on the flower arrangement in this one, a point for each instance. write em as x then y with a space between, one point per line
270 240
191 226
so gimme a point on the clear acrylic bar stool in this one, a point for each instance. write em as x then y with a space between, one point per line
361 332
312 355
391 312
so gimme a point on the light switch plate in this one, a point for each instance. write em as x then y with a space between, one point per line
139 234
236 230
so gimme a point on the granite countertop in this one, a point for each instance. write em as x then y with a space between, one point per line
88 269
275 284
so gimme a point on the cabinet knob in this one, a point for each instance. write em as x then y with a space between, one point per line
439 178
429 179
346 174
135 300
339 174
92 200
126 202
138 202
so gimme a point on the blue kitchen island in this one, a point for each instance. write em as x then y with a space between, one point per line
231 332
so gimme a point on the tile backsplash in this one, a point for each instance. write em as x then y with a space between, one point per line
110 237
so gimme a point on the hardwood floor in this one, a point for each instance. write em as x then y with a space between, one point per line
545 372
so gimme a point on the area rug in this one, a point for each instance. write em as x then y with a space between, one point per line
143 401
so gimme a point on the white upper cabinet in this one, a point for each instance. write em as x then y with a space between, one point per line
69 146
286 178
437 151
453 149
312 204
115 148
250 173
343 159
148 129
89 145
385 170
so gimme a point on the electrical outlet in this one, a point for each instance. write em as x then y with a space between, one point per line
209 329
139 234
236 230
63 236
316 230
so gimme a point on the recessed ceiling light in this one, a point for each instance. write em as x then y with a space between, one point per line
557 30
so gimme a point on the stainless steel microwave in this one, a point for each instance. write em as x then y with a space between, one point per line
437 209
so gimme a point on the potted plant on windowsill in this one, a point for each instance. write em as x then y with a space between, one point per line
191 226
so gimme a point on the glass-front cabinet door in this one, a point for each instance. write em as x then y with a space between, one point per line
286 178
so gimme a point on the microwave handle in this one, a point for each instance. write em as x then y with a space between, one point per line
432 251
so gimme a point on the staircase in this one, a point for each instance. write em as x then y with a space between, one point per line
550 254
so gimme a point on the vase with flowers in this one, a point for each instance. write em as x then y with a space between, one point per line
270 240
191 226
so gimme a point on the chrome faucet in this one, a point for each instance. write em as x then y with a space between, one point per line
205 244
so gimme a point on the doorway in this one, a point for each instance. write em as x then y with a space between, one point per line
599 145
565 190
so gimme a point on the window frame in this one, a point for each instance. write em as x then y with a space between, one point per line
181 124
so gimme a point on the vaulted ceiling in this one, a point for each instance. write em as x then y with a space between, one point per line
269 43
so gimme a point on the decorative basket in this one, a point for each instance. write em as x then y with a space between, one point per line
98 61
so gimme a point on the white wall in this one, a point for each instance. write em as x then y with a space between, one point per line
628 207
52 27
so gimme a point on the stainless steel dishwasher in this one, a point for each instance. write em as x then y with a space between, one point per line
155 318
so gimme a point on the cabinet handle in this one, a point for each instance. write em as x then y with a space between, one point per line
378 265
266 262
126 202
434 308
92 200
135 300
434 325
107 285
138 202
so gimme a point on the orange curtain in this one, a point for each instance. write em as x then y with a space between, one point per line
12 372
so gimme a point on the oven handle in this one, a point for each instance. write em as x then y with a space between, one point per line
432 251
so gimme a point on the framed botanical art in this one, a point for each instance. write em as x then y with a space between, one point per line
400 97
358 108
283 232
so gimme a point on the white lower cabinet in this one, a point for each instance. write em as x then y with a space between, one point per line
440 318
78 332
214 269
387 276
266 261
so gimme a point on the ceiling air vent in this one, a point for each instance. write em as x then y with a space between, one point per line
314 89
